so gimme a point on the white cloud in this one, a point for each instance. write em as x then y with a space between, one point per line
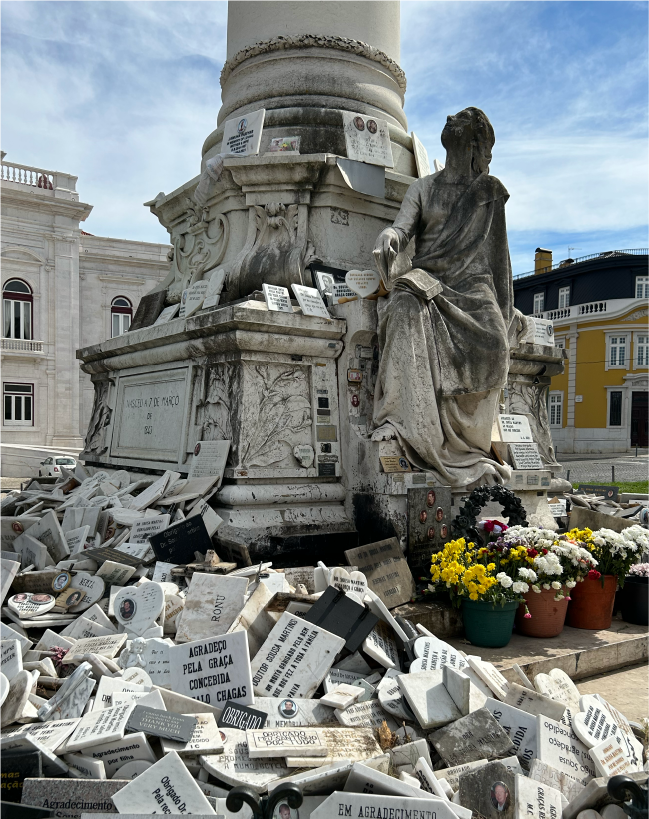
124 94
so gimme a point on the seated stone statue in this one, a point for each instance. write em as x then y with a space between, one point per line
444 328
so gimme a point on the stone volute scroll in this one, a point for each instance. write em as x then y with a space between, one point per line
444 329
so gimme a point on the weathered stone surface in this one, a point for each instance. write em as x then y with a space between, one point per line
211 606
72 797
489 791
475 736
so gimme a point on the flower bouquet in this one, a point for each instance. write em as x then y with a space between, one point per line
556 563
615 552
485 581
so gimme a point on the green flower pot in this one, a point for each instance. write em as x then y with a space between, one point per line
488 625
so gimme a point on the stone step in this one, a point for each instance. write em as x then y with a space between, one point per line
578 652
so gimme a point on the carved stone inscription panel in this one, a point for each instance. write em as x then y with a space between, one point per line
150 412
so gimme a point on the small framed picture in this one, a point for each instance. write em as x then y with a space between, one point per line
284 145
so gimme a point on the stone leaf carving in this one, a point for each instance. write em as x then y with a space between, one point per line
213 413
100 419
276 250
284 411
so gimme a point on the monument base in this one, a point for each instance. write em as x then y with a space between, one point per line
294 396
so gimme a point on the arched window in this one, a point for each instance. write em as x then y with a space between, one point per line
16 309
121 313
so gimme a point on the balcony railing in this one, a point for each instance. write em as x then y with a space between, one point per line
37 177
637 251
21 345
590 308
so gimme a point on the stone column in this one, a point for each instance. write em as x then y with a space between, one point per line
305 62
65 335
571 336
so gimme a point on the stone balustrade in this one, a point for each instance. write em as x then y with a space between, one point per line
21 345
38 178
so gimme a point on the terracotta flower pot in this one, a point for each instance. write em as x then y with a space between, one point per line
591 606
548 616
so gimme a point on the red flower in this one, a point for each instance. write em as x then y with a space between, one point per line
594 574
544 551
492 525
532 553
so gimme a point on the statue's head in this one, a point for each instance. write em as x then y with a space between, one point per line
470 129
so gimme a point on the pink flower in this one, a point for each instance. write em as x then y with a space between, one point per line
527 616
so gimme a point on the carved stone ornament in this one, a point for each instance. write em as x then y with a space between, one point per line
285 43
100 420
264 409
527 397
276 251
199 249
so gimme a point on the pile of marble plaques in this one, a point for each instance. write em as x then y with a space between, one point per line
141 673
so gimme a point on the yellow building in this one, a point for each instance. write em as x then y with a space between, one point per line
599 308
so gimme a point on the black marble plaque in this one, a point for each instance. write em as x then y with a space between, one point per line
429 526
341 615
241 717
16 766
178 543
157 723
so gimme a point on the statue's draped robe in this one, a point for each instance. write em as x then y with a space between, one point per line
444 362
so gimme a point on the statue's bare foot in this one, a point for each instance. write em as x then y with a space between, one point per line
386 432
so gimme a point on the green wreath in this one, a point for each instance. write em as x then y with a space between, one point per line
465 523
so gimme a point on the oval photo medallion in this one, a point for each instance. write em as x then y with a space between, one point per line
439 513
444 530
288 709
430 534
430 498
423 516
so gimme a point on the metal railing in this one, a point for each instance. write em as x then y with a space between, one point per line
21 345
638 251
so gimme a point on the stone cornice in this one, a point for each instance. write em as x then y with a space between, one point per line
31 199
315 41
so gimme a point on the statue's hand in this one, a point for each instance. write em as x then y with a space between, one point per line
386 250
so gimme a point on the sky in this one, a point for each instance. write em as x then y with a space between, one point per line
123 95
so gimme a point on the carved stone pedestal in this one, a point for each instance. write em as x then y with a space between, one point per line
266 382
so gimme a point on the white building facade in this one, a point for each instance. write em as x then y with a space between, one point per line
62 289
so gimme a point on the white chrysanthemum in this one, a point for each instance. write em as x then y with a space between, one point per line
571 584
527 574
536 589
546 586
520 588
506 581
555 585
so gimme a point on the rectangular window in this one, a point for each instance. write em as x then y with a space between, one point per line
564 297
642 287
642 351
121 323
539 301
556 409
17 318
18 405
617 351
560 344
615 409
